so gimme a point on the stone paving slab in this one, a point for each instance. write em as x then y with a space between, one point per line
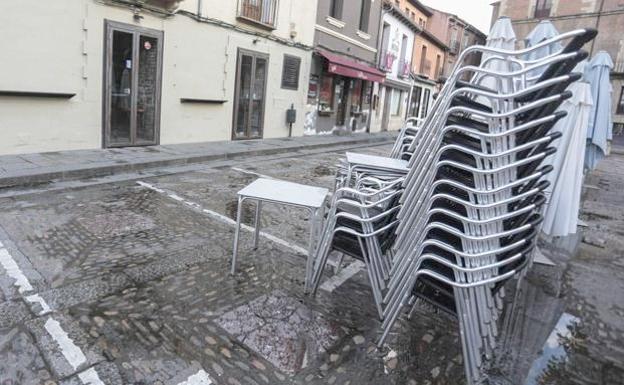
22 361
141 283
29 169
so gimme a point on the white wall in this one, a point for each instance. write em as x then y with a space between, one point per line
293 15
58 46
397 31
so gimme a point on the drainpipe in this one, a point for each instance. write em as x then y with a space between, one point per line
199 8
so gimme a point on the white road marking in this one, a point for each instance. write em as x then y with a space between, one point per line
333 282
36 298
90 377
13 271
199 378
251 173
72 353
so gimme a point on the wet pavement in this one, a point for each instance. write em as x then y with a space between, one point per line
116 282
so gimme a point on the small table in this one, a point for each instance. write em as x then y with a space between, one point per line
285 193
377 162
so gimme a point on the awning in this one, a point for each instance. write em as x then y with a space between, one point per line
341 66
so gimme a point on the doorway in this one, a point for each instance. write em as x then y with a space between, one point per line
341 92
132 85
250 95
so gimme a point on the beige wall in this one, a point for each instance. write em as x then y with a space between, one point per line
294 15
411 11
58 46
432 52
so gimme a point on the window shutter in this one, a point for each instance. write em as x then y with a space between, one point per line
290 72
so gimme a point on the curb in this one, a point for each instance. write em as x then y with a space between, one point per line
55 174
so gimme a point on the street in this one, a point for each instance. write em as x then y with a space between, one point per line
126 281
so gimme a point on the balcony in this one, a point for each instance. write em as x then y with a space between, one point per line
387 61
167 5
259 12
404 69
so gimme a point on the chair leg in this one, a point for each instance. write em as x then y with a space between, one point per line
311 249
322 253
236 235
257 224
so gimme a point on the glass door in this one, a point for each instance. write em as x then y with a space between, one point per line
120 113
132 85
250 95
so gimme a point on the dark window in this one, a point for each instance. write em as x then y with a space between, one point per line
620 106
542 8
423 60
425 102
290 72
365 15
335 9
415 104
438 69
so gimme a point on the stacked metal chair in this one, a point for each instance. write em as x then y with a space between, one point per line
465 217
356 166
471 208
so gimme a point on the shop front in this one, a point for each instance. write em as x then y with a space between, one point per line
341 89
421 98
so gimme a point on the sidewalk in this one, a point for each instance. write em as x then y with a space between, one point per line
29 169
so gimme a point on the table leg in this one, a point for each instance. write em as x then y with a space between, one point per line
236 233
257 223
313 237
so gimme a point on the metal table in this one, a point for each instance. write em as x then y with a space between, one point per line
284 193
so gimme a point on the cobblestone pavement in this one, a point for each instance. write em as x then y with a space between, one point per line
127 283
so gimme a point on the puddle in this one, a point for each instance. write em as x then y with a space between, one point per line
282 330
564 339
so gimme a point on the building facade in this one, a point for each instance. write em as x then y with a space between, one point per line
457 34
84 74
607 16
396 46
343 72
428 57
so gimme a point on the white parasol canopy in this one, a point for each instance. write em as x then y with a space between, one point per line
544 30
501 36
561 213
600 129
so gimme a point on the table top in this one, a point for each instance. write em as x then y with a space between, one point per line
285 192
377 161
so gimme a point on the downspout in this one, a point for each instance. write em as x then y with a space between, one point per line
199 8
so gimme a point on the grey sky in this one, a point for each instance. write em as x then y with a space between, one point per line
476 12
